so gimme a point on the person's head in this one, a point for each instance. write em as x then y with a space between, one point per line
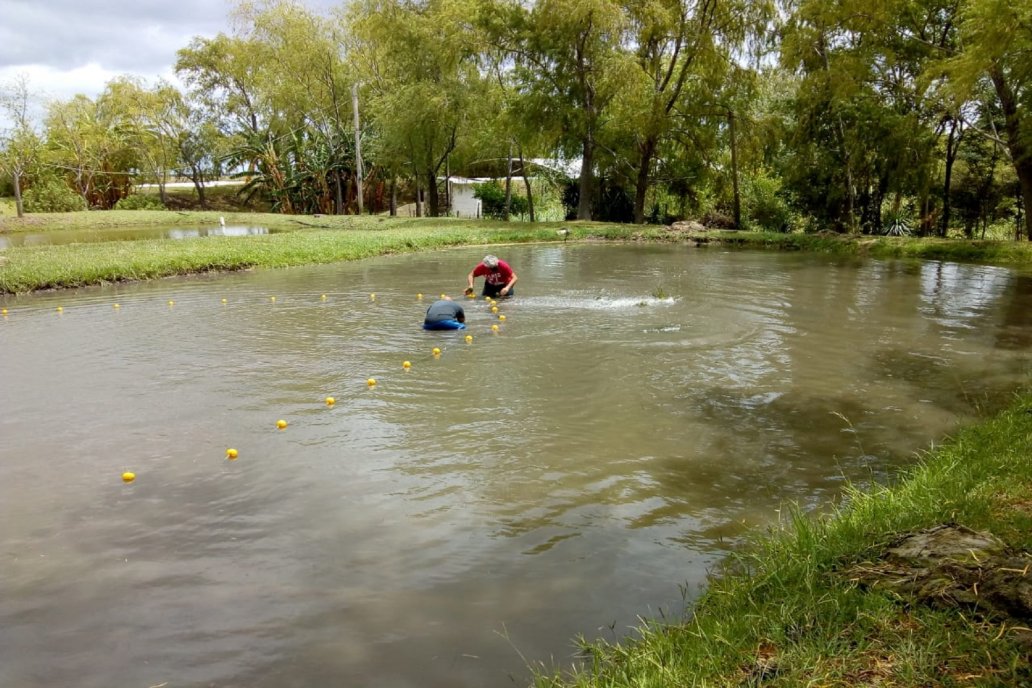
491 261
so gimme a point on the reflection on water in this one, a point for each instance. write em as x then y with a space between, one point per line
560 477
86 236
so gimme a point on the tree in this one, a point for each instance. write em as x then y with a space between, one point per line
153 122
680 49
417 64
997 40
867 122
568 63
20 146
91 141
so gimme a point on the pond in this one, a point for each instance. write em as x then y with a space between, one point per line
83 236
640 410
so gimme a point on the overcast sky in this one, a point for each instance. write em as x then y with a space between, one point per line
66 47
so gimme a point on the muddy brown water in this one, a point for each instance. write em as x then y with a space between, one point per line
641 410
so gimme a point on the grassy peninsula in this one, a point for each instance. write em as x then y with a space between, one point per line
328 238
924 582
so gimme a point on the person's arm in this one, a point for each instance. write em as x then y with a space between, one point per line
469 278
508 285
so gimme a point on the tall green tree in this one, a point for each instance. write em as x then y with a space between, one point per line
417 64
997 46
90 142
569 63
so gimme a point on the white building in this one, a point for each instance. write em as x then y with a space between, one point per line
460 191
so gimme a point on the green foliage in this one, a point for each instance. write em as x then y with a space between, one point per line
492 197
764 204
138 201
897 222
52 195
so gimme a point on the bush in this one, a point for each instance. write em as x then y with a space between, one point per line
764 204
51 195
492 199
138 201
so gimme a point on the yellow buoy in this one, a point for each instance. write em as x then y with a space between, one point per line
406 365
469 339
373 297
60 309
231 453
371 382
171 302
116 306
330 401
501 317
128 477
419 296
494 328
223 301
272 298
436 351
444 296
3 312
323 297
281 424
494 309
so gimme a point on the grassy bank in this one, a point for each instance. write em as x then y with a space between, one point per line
324 239
319 240
1002 252
822 604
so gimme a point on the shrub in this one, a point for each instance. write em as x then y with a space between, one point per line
764 204
51 195
897 223
492 199
138 201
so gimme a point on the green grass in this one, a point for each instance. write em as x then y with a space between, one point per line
786 612
329 238
42 267
987 251
7 207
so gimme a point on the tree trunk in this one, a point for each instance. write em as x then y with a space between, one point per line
433 198
952 142
198 181
18 205
1019 150
419 200
734 169
394 196
508 184
641 184
526 183
338 193
358 148
587 165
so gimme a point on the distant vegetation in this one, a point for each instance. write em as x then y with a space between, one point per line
912 120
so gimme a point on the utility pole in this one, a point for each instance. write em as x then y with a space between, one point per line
359 174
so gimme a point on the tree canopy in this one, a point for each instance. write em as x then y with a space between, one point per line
881 116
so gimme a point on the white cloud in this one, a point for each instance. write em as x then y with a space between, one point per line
65 47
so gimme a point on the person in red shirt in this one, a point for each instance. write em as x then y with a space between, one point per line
498 277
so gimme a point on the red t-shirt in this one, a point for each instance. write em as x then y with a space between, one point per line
498 276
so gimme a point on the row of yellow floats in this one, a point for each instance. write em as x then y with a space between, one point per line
232 453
